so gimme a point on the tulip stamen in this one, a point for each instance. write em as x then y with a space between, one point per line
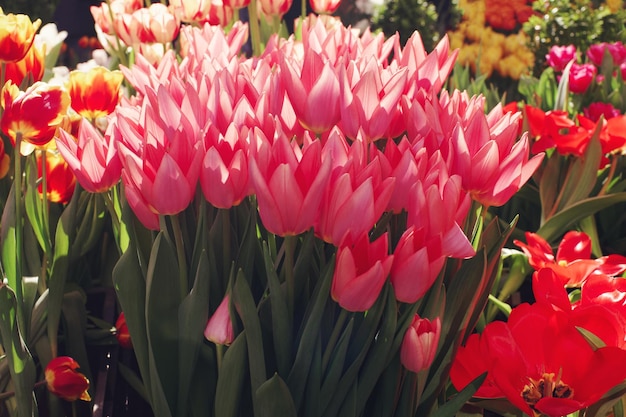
547 386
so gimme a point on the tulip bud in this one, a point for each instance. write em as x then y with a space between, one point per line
420 344
121 334
64 381
219 329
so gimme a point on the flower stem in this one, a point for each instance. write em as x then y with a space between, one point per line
255 33
45 209
182 259
290 246
17 184
115 221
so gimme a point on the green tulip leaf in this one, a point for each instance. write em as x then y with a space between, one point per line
310 333
193 315
452 407
130 286
21 364
336 366
282 325
247 310
561 222
34 207
163 299
274 399
231 379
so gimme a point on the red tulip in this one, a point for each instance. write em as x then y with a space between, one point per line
93 159
542 363
419 344
121 332
361 269
324 6
572 262
61 181
64 381
219 328
32 65
17 34
96 92
35 113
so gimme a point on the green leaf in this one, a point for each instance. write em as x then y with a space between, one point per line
60 266
336 366
246 307
163 299
561 222
34 207
7 235
75 323
306 346
282 322
563 91
230 381
582 175
450 408
130 286
192 318
274 399
21 364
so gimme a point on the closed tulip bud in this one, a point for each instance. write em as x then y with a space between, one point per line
121 332
219 329
420 344
95 92
64 381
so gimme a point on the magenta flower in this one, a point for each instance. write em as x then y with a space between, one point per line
560 55
581 76
598 108
219 328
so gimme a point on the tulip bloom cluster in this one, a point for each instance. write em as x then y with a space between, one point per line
309 155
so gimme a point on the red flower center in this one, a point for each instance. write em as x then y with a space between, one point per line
547 386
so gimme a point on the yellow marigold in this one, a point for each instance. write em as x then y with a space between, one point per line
614 5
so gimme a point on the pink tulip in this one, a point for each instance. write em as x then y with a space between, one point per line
598 108
93 159
416 252
559 56
159 146
219 14
275 7
313 91
236 4
219 328
324 6
420 344
354 200
224 172
617 50
361 269
369 99
288 182
405 167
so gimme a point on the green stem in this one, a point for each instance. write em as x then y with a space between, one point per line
303 11
290 246
226 239
255 33
332 341
115 221
45 207
17 184
219 350
182 259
